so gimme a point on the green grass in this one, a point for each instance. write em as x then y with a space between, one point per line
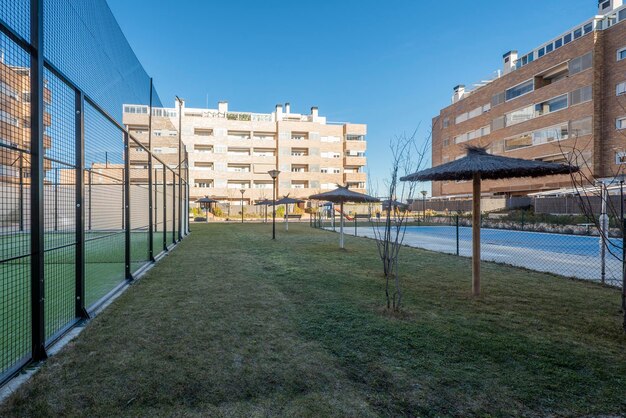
104 269
233 324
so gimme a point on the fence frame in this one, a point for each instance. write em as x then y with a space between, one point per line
38 64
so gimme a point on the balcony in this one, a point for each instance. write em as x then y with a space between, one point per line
354 160
354 177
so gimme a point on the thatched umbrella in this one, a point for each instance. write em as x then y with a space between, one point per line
479 165
342 195
266 203
287 201
206 202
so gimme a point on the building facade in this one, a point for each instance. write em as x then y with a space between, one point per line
562 102
233 151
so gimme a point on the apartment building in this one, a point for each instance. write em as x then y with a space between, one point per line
233 151
563 101
15 124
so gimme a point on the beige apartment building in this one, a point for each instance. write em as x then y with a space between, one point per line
233 151
563 101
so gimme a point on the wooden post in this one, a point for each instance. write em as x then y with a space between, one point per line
476 236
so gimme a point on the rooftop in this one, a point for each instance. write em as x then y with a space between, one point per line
613 14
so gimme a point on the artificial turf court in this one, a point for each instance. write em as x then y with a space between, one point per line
233 324
104 270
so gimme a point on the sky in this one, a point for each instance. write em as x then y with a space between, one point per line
389 64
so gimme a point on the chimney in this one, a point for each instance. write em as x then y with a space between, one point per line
314 112
510 58
287 108
222 107
459 92
279 112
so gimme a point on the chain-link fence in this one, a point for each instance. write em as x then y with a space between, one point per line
80 212
571 250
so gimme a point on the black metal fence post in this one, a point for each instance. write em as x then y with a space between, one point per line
150 182
164 208
174 207
55 187
127 252
457 234
90 185
21 192
79 107
355 225
38 337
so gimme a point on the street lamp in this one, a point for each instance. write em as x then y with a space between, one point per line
274 175
242 192
424 193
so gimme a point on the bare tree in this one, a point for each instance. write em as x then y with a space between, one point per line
589 190
408 156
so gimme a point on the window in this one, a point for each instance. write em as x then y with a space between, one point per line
203 148
498 123
299 152
578 33
552 105
262 152
567 39
299 136
621 54
203 132
445 142
238 135
497 99
549 48
331 170
582 63
558 43
519 116
520 90
238 168
620 123
621 87
299 168
588 28
580 95
203 165
264 136
204 184
581 127
620 158
136 109
541 52
605 5
461 118
446 122
355 137
140 149
538 137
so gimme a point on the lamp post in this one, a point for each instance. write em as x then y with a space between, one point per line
242 192
424 192
274 175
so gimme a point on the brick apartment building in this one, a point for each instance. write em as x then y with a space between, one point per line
229 151
563 101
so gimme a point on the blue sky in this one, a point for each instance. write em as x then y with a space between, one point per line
391 65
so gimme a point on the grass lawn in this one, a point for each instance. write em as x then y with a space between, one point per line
233 324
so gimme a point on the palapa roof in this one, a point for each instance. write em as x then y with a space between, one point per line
288 200
490 167
265 202
342 195
206 199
